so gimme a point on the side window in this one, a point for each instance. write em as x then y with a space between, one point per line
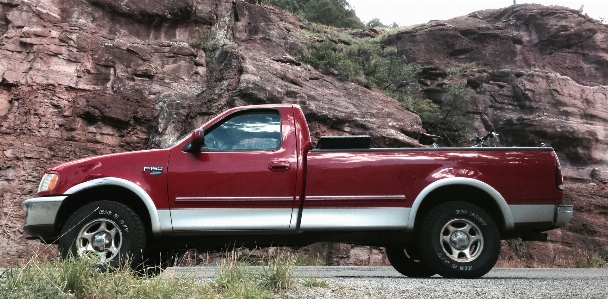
248 131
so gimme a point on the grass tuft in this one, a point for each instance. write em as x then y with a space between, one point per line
593 260
278 273
313 282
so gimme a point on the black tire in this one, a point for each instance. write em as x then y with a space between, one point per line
459 240
406 264
109 232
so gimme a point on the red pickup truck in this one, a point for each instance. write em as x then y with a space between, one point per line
251 177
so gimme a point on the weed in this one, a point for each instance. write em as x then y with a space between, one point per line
511 263
313 282
33 280
593 260
459 69
278 273
303 258
604 253
236 281
393 31
519 246
207 40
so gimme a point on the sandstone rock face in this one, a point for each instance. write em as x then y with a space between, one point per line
526 36
540 76
91 77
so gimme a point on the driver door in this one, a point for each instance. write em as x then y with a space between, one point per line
244 178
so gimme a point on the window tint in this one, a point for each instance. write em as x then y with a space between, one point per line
252 130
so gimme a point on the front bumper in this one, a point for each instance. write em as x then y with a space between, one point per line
40 215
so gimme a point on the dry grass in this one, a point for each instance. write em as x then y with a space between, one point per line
578 258
41 277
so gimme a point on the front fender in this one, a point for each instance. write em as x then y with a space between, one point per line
159 221
498 199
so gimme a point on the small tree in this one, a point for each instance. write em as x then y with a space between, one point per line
450 120
337 13
375 22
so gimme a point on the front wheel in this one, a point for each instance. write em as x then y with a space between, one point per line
459 240
105 231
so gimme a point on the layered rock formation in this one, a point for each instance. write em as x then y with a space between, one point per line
541 76
90 77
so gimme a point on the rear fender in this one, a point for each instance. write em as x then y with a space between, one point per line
498 199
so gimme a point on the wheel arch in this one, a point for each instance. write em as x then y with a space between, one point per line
462 189
113 189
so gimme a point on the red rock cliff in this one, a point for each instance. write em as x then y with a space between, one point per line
90 77
540 76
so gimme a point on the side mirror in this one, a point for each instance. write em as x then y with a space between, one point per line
197 140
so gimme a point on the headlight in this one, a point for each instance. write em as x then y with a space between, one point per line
48 182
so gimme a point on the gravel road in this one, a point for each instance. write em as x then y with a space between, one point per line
385 282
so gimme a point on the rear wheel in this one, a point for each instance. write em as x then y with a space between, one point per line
406 263
459 240
108 232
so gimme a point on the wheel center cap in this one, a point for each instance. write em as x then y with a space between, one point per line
101 241
459 240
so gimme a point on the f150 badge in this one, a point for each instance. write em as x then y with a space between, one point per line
154 170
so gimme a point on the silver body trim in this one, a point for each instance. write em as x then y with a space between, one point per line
532 213
41 210
231 219
358 197
112 181
502 203
559 215
164 218
237 198
354 218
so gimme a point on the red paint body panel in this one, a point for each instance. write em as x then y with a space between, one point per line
127 166
521 176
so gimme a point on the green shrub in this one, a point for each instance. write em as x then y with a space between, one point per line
336 13
368 63
458 69
207 40
373 65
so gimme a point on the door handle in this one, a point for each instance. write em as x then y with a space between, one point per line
279 166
